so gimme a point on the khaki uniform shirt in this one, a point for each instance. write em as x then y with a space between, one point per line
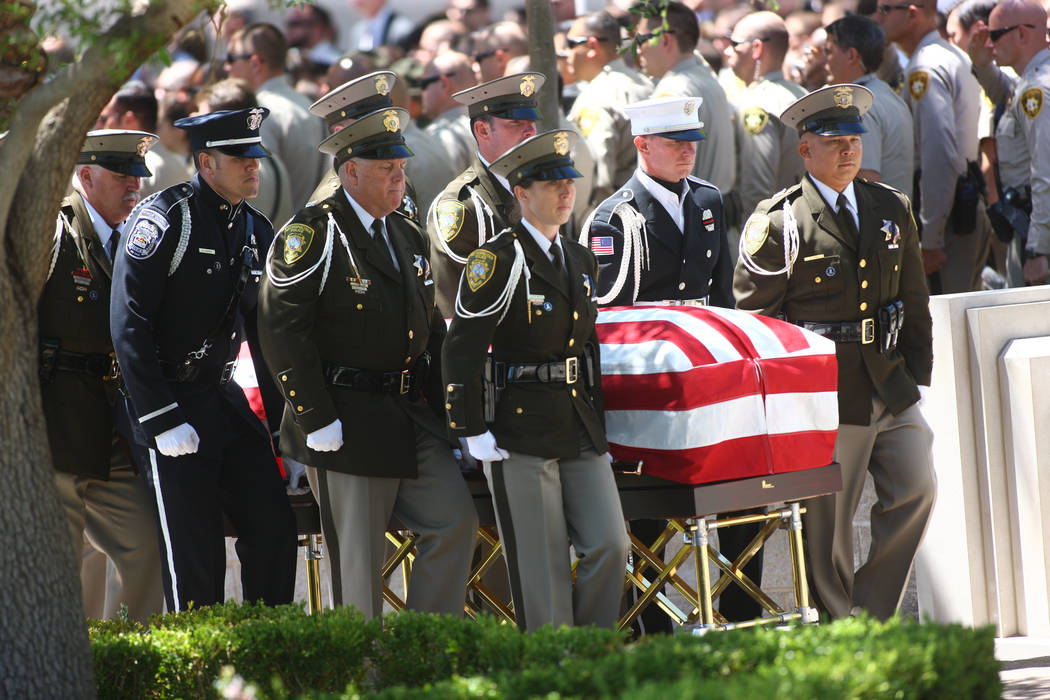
838 278
768 150
451 129
293 134
1023 138
716 158
428 169
598 114
889 144
945 102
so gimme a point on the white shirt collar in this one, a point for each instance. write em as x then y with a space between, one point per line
103 229
499 178
832 198
674 204
545 244
365 218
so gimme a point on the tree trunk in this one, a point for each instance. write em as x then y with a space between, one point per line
543 60
44 648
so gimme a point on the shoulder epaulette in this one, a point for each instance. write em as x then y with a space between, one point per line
607 209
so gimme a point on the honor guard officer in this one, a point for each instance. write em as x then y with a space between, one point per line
661 237
476 205
853 273
530 294
343 106
101 492
183 281
349 327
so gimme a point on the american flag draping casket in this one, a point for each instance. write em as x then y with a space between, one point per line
244 375
709 394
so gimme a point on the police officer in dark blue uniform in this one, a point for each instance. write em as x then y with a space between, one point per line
183 282
661 237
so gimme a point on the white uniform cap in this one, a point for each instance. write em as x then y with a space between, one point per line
673 117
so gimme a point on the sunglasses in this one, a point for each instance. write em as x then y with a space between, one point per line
996 34
649 36
737 42
232 57
886 9
479 57
426 82
574 41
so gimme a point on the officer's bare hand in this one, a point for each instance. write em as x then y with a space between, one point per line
1036 270
979 48
933 259
180 440
326 439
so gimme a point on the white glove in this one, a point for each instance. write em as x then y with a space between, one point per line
294 470
484 448
180 440
327 439
924 393
608 456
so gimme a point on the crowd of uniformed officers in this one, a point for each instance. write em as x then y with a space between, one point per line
396 345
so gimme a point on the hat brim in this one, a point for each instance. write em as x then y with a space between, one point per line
687 135
523 112
385 152
246 150
840 129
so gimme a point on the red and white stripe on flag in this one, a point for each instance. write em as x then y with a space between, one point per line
244 375
710 394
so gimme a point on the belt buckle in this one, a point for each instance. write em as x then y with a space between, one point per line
572 370
867 331
406 382
114 370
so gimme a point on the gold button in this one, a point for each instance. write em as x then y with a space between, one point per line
360 306
324 206
572 341
575 315
292 392
449 388
538 312
896 267
448 407
863 306
284 377
816 279
574 392
408 360
863 262
519 411
299 408
864 284
452 424
410 335
80 298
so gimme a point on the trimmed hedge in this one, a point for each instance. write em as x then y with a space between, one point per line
286 653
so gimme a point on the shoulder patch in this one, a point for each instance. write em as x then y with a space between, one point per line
587 120
755 232
297 240
755 119
156 217
1032 102
144 238
450 213
479 269
918 81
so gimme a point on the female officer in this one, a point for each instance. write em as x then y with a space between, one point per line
530 294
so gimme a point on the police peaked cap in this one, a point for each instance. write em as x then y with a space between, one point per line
120 150
375 136
233 132
546 156
834 110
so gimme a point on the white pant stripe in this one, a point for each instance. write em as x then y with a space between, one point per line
164 530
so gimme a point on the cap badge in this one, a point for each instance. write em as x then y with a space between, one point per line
843 97
689 106
391 121
143 145
527 85
382 85
255 118
561 143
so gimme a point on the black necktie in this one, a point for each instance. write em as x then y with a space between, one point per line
559 261
111 244
846 218
379 237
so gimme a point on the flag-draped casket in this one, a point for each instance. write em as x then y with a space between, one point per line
710 394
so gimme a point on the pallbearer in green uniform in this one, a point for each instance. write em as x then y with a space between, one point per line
530 294
349 328
852 272
102 494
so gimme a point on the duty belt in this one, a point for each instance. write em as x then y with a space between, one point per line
850 332
565 371
395 382
674 302
96 365
187 372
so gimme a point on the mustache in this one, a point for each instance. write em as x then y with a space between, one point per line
131 197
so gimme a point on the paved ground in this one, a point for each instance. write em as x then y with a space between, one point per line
1026 666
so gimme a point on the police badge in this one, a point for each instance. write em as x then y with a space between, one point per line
391 122
561 143
843 96
382 85
527 86
255 118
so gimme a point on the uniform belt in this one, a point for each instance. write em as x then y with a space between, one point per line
674 302
849 332
563 371
97 365
396 382
188 372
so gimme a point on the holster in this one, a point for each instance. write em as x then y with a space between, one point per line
48 359
489 390
969 189
890 322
